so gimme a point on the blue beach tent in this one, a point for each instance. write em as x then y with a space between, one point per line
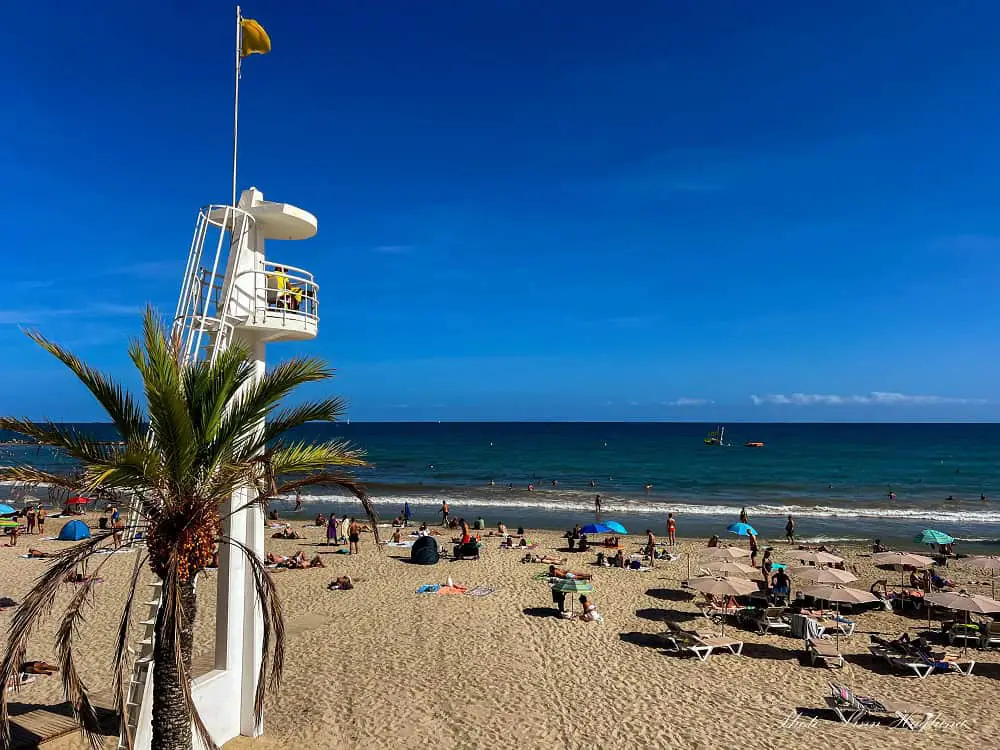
74 531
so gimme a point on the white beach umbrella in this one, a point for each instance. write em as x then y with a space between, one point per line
834 592
820 558
823 575
962 601
723 586
902 559
726 553
732 569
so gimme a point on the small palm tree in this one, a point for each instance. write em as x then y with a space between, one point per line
180 459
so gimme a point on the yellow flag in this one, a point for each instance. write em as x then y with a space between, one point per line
254 39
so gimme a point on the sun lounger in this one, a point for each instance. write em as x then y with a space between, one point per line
923 665
700 644
967 633
825 651
770 618
851 708
990 635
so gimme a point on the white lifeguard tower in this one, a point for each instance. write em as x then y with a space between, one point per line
232 291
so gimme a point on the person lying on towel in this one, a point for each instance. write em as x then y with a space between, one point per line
555 572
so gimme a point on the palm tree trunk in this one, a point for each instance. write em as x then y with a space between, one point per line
171 718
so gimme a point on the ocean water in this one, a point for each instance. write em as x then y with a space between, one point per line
834 479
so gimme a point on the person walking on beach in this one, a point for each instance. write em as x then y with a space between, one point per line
651 547
790 530
744 518
298 500
445 512
597 504
753 551
671 529
353 537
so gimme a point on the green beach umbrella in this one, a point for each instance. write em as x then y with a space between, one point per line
932 536
573 586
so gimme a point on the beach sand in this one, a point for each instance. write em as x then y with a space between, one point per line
381 666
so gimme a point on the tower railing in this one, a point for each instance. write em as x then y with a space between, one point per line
276 294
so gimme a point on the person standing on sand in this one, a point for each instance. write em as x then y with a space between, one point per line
298 500
353 537
790 530
32 517
331 529
651 547
671 529
41 520
744 518
597 504
753 551
445 512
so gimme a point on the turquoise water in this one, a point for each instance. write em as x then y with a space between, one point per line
834 478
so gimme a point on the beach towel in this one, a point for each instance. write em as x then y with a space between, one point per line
110 551
543 576
49 538
452 590
480 591
341 551
399 544
428 588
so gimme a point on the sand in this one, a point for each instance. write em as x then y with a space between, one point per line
381 666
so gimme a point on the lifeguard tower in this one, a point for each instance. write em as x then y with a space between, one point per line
232 291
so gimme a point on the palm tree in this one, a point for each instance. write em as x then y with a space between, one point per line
180 459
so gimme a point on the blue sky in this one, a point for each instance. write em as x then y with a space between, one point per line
565 210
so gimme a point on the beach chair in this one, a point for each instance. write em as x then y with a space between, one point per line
921 664
851 708
700 644
990 635
771 618
965 632
818 650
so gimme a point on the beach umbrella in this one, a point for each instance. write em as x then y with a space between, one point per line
727 553
723 586
572 586
616 527
732 568
823 575
961 601
932 536
834 592
986 562
820 558
741 529
6 510
595 528
901 559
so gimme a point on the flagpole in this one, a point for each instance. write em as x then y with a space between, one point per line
236 99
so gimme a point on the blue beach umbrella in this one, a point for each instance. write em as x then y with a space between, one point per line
616 527
596 528
6 510
931 536
742 529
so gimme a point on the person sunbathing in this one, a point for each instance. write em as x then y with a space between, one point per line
38 667
37 553
555 572
287 533
397 537
548 559
343 583
295 562
320 520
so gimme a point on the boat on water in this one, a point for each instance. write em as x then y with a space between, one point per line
753 444
716 436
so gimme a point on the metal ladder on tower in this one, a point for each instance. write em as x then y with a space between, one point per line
142 667
201 330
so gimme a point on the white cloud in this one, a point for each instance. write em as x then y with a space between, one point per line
688 402
875 398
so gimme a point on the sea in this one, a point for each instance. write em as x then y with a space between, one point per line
835 480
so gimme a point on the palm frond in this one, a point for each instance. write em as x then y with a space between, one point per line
68 440
116 401
29 475
32 610
344 481
328 410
